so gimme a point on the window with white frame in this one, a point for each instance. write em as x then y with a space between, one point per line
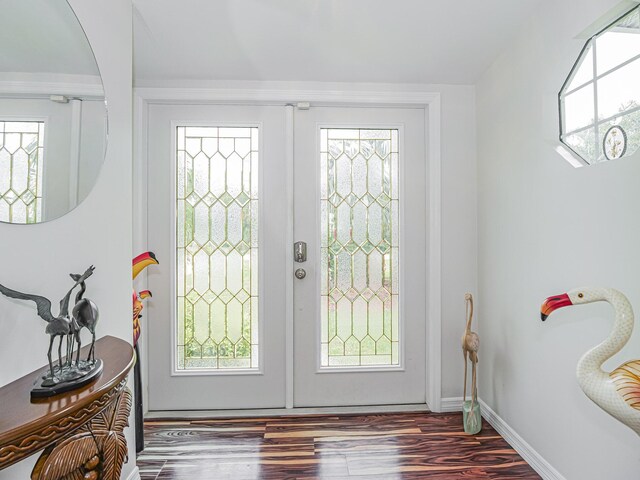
600 100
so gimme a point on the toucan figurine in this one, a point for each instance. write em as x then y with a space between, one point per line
141 262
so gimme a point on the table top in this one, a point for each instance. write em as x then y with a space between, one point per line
19 414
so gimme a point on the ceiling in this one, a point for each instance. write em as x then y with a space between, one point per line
392 41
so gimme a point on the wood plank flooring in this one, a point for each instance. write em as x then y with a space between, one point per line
404 446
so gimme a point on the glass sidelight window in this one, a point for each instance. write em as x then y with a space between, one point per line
21 171
217 248
359 248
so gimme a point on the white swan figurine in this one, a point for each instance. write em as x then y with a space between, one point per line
617 392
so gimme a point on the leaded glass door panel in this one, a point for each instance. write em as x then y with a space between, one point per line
217 223
360 311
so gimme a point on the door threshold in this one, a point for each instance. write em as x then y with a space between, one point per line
284 412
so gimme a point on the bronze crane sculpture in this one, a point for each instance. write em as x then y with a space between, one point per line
85 313
59 326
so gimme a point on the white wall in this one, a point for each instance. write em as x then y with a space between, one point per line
459 227
545 228
38 258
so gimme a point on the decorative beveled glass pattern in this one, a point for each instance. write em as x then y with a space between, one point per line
359 249
21 164
217 248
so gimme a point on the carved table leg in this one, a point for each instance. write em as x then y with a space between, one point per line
95 451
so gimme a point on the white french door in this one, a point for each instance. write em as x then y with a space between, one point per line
217 223
359 322
219 214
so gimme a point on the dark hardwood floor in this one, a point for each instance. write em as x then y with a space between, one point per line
403 446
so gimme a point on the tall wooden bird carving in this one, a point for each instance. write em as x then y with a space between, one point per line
616 392
470 346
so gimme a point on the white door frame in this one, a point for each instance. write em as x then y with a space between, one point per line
361 97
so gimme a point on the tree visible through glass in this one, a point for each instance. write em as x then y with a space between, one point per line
359 249
21 166
217 248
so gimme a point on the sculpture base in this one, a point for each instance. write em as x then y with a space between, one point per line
70 379
471 417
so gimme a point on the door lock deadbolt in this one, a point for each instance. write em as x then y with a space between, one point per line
300 252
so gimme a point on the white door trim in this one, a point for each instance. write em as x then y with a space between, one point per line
365 96
289 287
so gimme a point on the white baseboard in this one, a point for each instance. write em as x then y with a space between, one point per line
526 451
451 404
135 474
283 412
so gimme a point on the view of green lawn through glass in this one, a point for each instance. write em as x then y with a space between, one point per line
359 248
217 248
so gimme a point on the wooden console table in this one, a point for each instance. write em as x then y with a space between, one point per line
81 431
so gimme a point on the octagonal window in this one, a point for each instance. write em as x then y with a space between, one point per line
600 100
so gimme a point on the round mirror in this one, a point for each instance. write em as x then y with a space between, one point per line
53 116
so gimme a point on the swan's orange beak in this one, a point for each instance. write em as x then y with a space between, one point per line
554 303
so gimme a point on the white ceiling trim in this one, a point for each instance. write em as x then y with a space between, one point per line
270 96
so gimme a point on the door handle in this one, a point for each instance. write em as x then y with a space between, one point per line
300 252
